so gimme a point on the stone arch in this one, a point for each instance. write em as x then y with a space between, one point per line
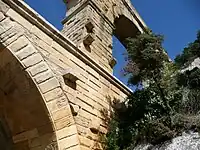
51 124
124 28
25 118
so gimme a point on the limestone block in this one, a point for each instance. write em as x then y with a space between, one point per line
85 106
6 24
19 44
53 94
43 76
41 35
85 141
52 105
25 52
64 122
18 18
49 85
3 7
68 142
12 34
82 121
61 113
61 102
93 86
38 68
66 132
84 148
95 125
32 60
75 148
1 16
81 87
1 30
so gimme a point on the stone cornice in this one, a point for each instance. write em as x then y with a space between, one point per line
135 14
132 10
32 16
92 4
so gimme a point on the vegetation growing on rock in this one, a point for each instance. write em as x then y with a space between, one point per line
166 101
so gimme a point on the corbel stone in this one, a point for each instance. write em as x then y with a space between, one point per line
89 38
70 74
110 46
89 26
112 62
75 109
94 125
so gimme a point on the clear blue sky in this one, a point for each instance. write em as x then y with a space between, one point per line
177 20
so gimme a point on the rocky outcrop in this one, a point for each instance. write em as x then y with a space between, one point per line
187 141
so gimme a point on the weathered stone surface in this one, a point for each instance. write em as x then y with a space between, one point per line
38 68
69 142
14 15
43 76
53 94
49 85
3 7
187 141
42 54
41 35
66 132
32 60
6 24
25 52
18 44
1 16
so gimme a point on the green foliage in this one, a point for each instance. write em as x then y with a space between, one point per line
189 53
190 79
145 57
166 101
111 138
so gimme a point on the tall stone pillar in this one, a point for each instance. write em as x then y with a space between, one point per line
91 30
90 24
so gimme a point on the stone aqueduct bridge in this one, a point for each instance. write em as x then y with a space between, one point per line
54 85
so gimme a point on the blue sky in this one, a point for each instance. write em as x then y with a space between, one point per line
177 20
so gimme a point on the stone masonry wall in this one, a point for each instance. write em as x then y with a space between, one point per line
74 86
90 25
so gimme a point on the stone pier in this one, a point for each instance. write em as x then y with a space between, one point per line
54 85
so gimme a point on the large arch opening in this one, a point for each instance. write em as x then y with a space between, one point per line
24 118
124 28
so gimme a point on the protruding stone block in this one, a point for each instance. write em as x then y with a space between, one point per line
88 40
95 125
89 26
75 109
70 74
112 62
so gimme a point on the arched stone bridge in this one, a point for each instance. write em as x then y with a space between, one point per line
53 85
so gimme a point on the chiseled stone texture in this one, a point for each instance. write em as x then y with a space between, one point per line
66 85
99 19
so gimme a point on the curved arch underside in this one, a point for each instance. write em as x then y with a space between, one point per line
124 28
24 120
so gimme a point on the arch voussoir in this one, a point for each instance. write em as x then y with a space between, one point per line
55 103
